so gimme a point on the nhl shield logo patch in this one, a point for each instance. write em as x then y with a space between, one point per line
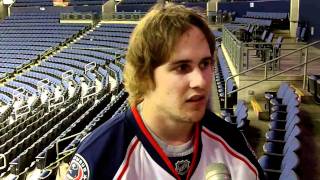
78 170
182 167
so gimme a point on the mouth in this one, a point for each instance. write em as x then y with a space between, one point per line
196 98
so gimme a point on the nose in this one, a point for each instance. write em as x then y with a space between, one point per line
198 78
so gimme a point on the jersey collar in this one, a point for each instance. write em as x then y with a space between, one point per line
158 154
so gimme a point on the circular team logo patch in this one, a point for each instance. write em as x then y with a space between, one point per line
182 167
79 169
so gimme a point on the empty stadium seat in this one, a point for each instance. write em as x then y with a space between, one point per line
273 167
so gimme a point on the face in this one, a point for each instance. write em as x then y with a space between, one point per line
183 83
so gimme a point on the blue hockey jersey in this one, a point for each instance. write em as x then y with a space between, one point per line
123 148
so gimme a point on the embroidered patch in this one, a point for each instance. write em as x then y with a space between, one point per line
79 169
182 167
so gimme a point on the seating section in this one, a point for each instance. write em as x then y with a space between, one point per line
301 33
59 82
266 15
275 20
86 2
282 140
135 5
29 3
270 51
222 73
237 117
25 37
224 16
101 111
253 21
95 58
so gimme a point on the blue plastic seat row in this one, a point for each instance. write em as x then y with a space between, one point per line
6 70
222 72
8 91
28 16
278 149
10 65
118 70
80 57
47 70
38 20
41 4
301 33
18 56
32 35
37 137
76 64
5 99
92 47
16 84
133 7
138 2
14 61
117 25
103 43
27 80
106 113
103 55
282 138
49 44
39 27
116 29
62 67
40 31
259 22
77 121
239 118
31 24
41 76
86 2
104 76
110 34
22 51
107 38
267 15
47 39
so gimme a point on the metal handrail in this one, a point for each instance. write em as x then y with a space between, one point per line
265 64
61 140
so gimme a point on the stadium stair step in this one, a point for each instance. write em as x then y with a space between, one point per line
304 96
259 109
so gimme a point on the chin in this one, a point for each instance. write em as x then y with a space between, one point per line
196 116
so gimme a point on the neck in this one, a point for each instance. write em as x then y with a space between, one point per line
171 131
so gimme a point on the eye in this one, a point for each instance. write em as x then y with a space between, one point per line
183 68
205 64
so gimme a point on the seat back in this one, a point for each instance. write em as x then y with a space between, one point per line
282 90
264 35
303 33
278 42
288 174
298 32
290 161
291 146
240 105
293 132
270 38
293 121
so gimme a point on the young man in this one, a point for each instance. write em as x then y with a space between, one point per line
167 133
